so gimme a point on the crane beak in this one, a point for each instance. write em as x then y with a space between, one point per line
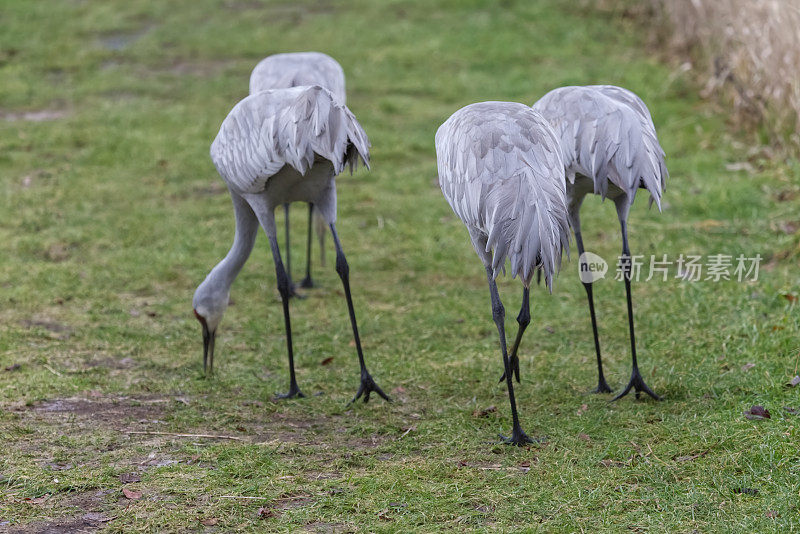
208 350
208 345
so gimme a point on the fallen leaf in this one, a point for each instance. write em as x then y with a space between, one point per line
790 297
399 389
549 330
326 361
772 514
794 381
194 459
352 343
397 505
582 409
585 437
209 521
462 463
240 428
36 500
484 412
60 466
757 412
129 478
133 495
748 366
13 367
265 513
96 517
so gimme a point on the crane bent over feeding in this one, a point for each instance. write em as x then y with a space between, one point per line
282 71
610 149
501 171
274 147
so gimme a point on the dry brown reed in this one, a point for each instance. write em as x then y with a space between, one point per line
749 53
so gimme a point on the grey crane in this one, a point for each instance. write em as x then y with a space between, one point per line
274 147
501 171
610 149
282 71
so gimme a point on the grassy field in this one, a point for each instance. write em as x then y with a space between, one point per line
111 213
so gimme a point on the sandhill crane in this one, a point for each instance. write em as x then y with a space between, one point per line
282 71
274 147
501 171
610 149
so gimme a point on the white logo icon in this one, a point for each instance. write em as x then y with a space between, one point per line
591 267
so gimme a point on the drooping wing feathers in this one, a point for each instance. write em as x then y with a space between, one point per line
627 97
607 134
270 129
282 71
501 171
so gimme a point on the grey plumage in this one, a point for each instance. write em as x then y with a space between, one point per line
607 135
272 129
501 170
274 147
281 71
610 148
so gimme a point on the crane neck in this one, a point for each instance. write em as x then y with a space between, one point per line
226 271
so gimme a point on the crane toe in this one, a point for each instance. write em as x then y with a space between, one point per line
293 393
519 438
638 385
366 388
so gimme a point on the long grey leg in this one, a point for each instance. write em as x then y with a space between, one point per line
602 386
292 292
523 320
283 289
307 282
518 436
636 381
368 385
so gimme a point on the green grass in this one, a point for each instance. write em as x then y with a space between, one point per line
112 214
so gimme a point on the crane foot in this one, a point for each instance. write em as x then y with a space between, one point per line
637 384
307 283
602 387
519 438
294 393
366 388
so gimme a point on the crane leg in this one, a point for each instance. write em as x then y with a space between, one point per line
292 292
602 386
636 382
523 319
283 289
518 436
307 282
368 385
